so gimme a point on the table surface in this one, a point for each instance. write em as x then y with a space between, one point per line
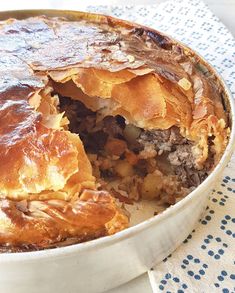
224 9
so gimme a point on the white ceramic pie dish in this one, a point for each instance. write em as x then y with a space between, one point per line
105 263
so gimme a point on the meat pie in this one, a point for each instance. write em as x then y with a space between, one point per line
95 114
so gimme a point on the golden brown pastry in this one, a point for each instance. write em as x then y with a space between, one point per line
42 224
92 109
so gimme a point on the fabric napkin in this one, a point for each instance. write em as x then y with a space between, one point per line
205 262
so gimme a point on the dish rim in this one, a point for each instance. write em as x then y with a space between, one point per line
61 252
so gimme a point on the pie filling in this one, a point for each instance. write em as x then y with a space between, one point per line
132 163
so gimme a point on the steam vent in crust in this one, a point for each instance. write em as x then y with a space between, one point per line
95 115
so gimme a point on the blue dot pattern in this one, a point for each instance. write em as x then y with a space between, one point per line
206 259
170 280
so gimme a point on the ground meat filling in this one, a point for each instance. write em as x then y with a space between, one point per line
132 163
177 153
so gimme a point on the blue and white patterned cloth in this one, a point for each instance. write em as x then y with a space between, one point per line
205 262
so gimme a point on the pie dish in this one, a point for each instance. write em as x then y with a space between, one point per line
97 113
80 93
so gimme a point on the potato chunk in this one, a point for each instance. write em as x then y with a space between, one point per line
131 133
152 185
124 169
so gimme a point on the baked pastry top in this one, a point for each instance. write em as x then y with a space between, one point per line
48 192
